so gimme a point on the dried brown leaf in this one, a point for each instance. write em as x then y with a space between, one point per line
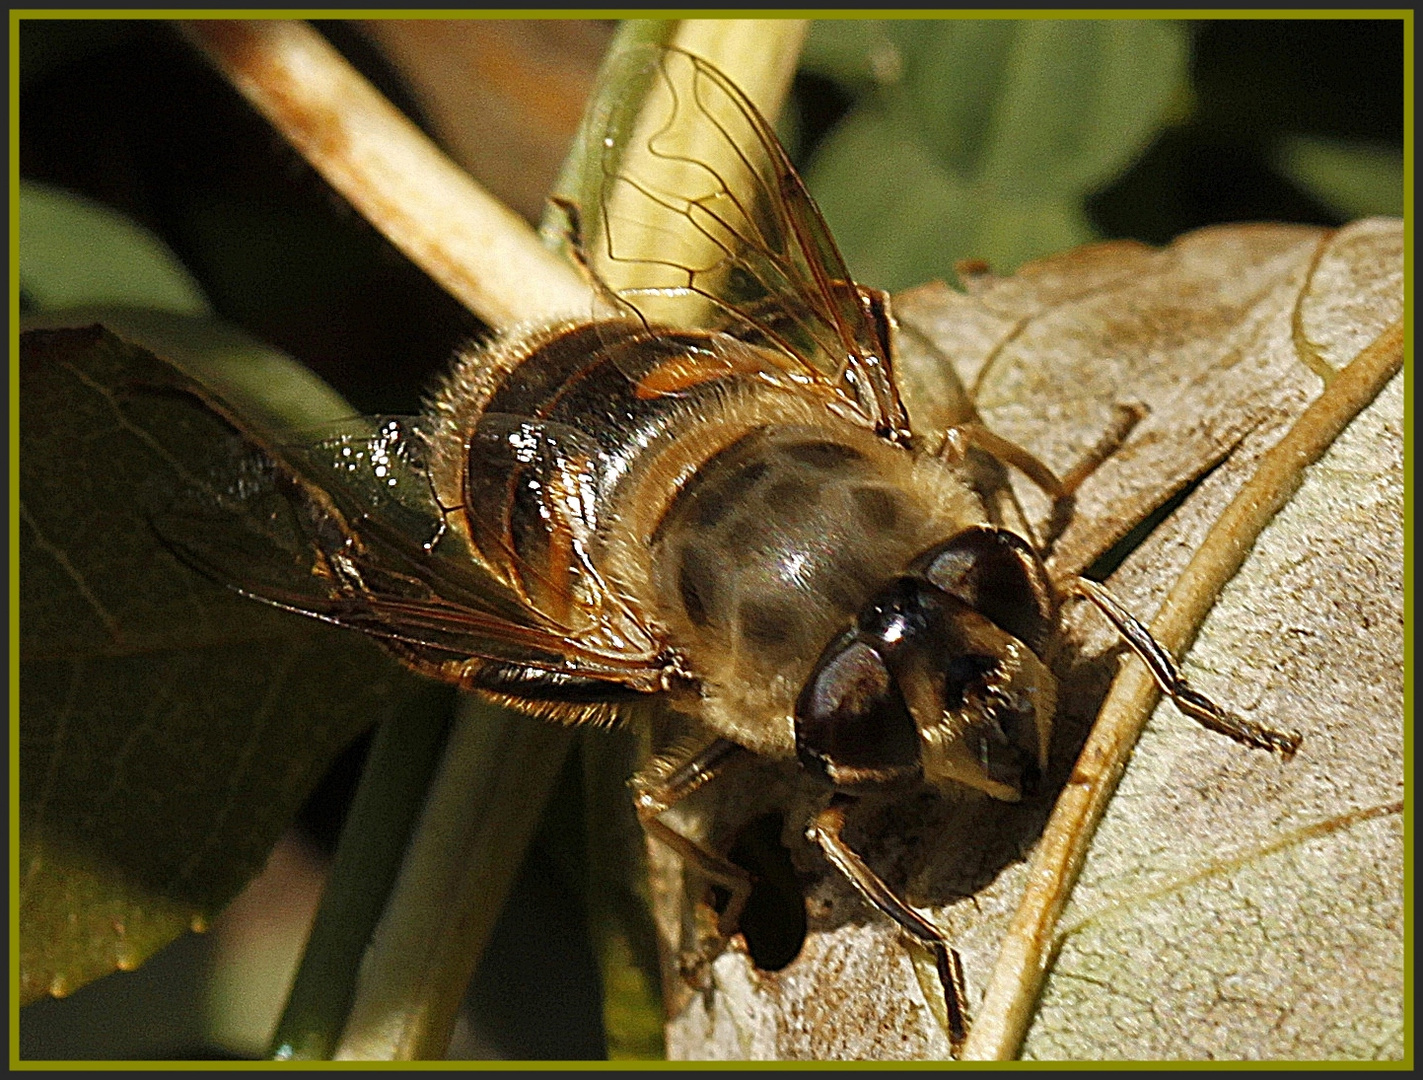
1232 905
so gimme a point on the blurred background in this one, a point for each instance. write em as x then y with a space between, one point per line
924 143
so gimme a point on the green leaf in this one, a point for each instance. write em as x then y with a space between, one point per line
74 251
1067 107
951 219
988 138
858 52
868 153
956 77
273 392
169 728
1357 179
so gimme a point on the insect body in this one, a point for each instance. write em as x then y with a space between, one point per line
735 528
710 495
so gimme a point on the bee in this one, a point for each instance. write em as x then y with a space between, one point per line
710 494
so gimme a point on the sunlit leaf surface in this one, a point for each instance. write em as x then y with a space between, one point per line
1233 905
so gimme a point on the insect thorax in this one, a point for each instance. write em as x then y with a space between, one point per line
773 547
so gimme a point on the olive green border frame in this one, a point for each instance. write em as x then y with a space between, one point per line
17 15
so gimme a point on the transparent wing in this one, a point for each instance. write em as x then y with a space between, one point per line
698 219
343 525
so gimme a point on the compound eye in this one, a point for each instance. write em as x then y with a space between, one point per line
851 722
997 574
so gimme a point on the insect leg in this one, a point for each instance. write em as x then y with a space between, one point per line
958 440
1061 490
573 235
663 785
825 830
1126 419
1168 676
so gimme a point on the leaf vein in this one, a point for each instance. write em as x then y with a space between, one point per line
111 624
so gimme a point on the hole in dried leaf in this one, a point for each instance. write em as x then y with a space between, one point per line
1106 564
773 921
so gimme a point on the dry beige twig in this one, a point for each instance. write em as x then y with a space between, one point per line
474 246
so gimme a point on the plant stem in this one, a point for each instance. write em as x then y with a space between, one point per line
484 804
481 252
403 756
